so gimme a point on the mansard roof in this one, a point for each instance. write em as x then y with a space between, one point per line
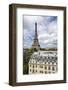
44 56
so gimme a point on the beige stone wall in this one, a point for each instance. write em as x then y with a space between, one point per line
42 68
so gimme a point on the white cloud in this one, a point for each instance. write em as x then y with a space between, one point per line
52 27
47 30
45 35
33 19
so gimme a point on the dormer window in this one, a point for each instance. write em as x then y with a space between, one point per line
48 57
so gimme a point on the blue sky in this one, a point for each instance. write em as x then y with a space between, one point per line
46 28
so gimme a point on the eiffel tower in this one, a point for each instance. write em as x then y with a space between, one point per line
35 44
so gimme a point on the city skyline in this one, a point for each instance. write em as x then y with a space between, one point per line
46 28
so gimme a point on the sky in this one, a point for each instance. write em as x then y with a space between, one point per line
46 29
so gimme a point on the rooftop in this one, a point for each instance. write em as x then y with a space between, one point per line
44 56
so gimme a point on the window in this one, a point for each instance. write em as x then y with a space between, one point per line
49 72
30 61
36 70
30 65
56 58
45 67
45 72
33 71
41 71
30 69
41 66
33 66
45 62
53 68
36 65
56 63
48 62
52 62
45 57
48 68
52 57
48 57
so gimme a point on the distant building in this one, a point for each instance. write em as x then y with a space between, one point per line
35 44
44 62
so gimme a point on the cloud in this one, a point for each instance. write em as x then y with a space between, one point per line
46 28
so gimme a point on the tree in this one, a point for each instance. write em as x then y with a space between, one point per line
26 57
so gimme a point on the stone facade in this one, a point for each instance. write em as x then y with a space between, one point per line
43 62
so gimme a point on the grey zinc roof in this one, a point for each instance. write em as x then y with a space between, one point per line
45 56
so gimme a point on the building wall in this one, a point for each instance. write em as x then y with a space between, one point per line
38 68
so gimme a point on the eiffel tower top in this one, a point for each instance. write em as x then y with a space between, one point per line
35 44
36 37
